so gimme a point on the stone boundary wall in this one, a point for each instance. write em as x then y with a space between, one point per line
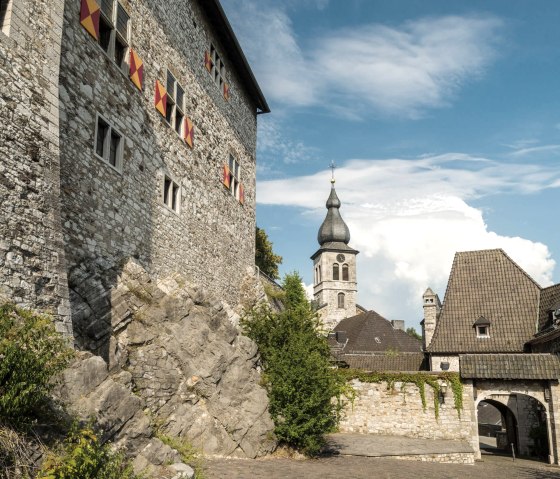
453 458
398 412
32 261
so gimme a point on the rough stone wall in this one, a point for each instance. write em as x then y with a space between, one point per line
398 412
32 263
110 216
436 363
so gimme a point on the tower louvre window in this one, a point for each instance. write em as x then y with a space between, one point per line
344 272
335 272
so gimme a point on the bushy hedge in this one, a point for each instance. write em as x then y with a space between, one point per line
31 353
297 373
83 456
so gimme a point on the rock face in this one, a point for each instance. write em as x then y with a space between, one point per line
175 360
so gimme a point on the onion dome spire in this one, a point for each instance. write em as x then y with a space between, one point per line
333 229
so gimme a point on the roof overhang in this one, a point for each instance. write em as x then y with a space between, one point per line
223 30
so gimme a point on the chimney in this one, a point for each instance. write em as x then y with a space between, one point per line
398 324
432 308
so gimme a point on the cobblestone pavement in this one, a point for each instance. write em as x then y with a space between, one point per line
355 467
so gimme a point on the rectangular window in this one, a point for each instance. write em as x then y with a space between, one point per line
234 176
175 103
109 143
171 192
5 15
114 31
218 71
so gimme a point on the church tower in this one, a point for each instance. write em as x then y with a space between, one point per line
334 267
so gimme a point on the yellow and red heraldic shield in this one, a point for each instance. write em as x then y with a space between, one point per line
189 132
208 61
89 17
136 70
161 98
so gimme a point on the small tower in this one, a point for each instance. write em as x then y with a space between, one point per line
432 308
334 267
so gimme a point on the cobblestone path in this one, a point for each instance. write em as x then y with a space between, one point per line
353 467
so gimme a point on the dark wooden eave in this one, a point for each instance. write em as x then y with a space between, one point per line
228 40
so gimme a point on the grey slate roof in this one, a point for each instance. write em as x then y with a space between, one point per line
386 362
550 300
486 283
333 229
363 329
509 366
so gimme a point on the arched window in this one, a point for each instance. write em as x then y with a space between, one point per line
316 275
341 300
319 274
344 272
335 272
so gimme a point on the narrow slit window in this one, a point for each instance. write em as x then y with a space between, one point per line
341 300
171 194
115 147
234 176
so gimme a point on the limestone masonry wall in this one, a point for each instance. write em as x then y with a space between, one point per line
112 215
32 264
398 411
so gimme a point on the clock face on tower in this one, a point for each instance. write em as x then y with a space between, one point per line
340 257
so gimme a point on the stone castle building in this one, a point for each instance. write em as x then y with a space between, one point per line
334 267
128 131
499 329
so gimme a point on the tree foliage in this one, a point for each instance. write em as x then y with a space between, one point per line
412 332
265 258
297 373
31 353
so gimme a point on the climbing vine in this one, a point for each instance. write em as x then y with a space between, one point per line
419 379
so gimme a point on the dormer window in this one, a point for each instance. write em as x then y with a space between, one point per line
482 326
482 332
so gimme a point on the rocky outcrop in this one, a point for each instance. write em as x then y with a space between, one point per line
175 360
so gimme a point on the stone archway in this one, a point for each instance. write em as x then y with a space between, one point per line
525 422
497 427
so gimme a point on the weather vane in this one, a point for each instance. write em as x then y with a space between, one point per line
332 167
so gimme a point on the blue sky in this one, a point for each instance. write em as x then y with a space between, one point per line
442 116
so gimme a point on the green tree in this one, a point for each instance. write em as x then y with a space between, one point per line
297 373
412 332
31 353
265 258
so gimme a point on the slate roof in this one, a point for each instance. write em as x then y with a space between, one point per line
386 362
486 283
333 229
550 300
363 329
509 366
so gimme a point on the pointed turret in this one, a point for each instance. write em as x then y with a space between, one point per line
333 229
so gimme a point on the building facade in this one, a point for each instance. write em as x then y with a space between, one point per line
131 134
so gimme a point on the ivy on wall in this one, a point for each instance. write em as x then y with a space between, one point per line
419 379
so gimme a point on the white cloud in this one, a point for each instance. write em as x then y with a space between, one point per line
409 217
275 147
535 149
401 70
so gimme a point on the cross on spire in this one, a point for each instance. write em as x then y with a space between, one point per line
332 167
